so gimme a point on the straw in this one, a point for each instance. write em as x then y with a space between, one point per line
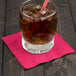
44 4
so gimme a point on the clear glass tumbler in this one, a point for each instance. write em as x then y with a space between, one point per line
37 26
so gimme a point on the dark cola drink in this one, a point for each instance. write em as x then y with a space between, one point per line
38 26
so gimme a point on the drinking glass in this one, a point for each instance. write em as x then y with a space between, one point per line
37 26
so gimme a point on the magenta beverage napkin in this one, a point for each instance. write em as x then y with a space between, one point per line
29 60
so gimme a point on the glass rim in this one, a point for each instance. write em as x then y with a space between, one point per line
43 18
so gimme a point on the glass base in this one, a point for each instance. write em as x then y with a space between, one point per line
37 49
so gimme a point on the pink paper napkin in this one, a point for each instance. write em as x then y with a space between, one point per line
29 60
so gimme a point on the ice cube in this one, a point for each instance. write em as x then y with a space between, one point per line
44 11
52 11
38 7
29 13
35 15
33 9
